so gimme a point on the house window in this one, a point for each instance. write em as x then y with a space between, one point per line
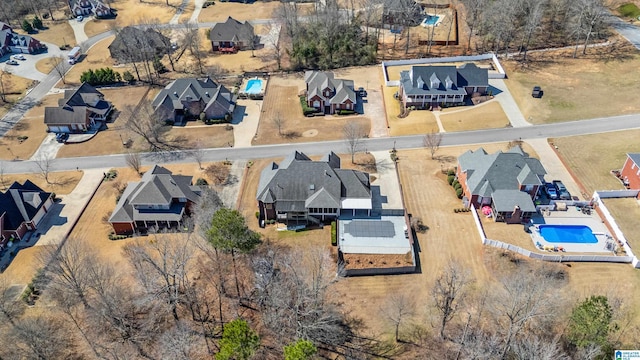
316 104
268 206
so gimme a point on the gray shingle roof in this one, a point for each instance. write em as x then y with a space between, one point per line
320 80
190 89
73 107
158 186
442 79
299 181
487 173
20 203
471 75
65 115
507 200
232 30
635 157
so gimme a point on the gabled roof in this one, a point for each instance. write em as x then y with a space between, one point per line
635 157
471 75
158 186
73 107
232 30
20 203
442 79
317 81
65 115
487 173
191 89
299 183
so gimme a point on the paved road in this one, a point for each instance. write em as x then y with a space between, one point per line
627 30
373 144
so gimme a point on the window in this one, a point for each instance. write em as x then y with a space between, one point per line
316 104
268 206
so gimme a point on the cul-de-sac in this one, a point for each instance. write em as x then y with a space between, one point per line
319 179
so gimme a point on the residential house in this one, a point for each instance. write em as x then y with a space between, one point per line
77 111
232 35
507 181
436 85
12 42
134 44
189 97
159 201
99 8
300 190
22 207
630 173
327 94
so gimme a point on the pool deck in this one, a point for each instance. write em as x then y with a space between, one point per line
573 217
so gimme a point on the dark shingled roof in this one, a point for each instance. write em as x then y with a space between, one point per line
507 200
320 80
299 182
232 30
442 79
190 89
73 107
20 203
158 186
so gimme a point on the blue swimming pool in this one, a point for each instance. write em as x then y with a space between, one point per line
430 20
574 234
254 86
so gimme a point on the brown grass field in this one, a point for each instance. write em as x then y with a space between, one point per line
562 77
31 125
47 64
62 182
479 117
282 101
239 11
15 87
57 32
417 122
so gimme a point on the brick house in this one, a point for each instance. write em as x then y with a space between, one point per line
507 181
630 173
22 207
327 94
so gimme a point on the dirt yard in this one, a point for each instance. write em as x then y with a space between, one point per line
32 126
281 101
562 78
131 12
626 211
484 116
417 122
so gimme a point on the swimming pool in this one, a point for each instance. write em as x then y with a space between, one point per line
254 86
574 234
430 20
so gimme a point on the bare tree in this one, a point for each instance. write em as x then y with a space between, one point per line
273 39
39 337
449 293
534 10
278 121
432 141
589 16
4 83
532 347
197 153
353 135
398 309
60 66
145 122
10 305
474 10
44 163
2 178
133 161
193 42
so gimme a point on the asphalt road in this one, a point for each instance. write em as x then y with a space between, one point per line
571 128
627 30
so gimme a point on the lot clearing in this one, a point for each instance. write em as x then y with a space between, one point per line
573 87
282 101
32 126
488 115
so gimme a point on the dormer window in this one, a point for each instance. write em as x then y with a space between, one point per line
448 82
435 82
420 83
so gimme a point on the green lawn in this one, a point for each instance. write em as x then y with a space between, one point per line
629 10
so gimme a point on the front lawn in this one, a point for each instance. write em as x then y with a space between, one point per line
630 10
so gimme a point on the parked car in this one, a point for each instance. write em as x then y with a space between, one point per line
80 18
362 92
537 92
551 190
62 137
563 193
18 57
11 62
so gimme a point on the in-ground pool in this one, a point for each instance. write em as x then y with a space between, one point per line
574 234
430 20
254 86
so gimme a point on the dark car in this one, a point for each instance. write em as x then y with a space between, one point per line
62 137
362 92
551 190
537 92
563 193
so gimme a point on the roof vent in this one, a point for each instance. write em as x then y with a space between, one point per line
206 93
312 187
175 93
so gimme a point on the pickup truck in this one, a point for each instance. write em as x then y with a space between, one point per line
563 193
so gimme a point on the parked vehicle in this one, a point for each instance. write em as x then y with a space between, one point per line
551 191
18 57
537 92
80 18
563 193
362 92
11 62
62 137
74 55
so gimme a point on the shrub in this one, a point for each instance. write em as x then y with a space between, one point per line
451 172
103 76
450 179
26 26
306 110
158 66
629 10
37 23
203 116
201 182
459 193
455 183
457 186
346 112
334 235
127 76
456 210
257 214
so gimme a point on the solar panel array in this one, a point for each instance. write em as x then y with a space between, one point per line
363 228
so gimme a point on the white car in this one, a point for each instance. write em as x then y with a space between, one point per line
11 62
18 57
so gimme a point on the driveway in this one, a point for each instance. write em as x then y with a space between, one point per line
27 68
508 104
245 121
385 189
628 30
48 148
374 110
78 30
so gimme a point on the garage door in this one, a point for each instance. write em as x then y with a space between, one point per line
58 129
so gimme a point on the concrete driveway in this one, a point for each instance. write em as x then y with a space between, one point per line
245 121
78 30
385 190
508 104
48 148
554 166
374 110
27 68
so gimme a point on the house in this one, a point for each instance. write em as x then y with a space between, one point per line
159 201
433 86
630 173
231 36
300 190
507 181
22 207
329 95
12 42
134 44
189 97
77 111
88 7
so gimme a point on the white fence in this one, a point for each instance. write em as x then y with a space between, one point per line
612 222
606 194
545 257
500 74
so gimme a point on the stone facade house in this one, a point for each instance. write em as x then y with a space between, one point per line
98 8
12 42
